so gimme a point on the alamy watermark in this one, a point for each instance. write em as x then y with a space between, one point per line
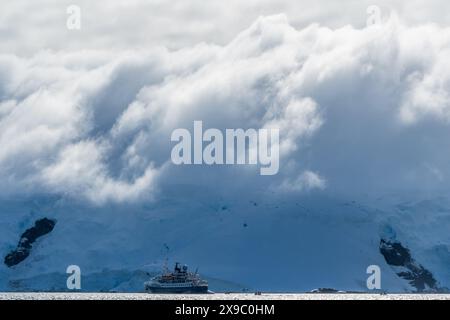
74 279
374 280
373 16
235 146
73 21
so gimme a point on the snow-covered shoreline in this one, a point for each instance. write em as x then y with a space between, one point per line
220 296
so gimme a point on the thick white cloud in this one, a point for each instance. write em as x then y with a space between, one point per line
80 169
356 108
27 27
428 92
305 181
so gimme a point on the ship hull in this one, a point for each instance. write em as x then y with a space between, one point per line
194 289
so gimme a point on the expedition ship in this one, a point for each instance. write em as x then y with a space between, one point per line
178 281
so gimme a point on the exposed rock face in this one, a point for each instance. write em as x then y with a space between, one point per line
41 227
406 267
324 290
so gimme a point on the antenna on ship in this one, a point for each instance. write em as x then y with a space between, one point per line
165 268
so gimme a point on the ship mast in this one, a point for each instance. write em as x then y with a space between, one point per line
165 267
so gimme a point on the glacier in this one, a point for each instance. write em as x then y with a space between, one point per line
85 138
265 242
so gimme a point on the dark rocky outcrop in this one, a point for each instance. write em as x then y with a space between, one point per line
325 290
396 255
41 227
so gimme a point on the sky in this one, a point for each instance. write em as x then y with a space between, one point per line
88 113
27 27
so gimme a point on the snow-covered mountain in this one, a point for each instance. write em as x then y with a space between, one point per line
264 242
87 176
